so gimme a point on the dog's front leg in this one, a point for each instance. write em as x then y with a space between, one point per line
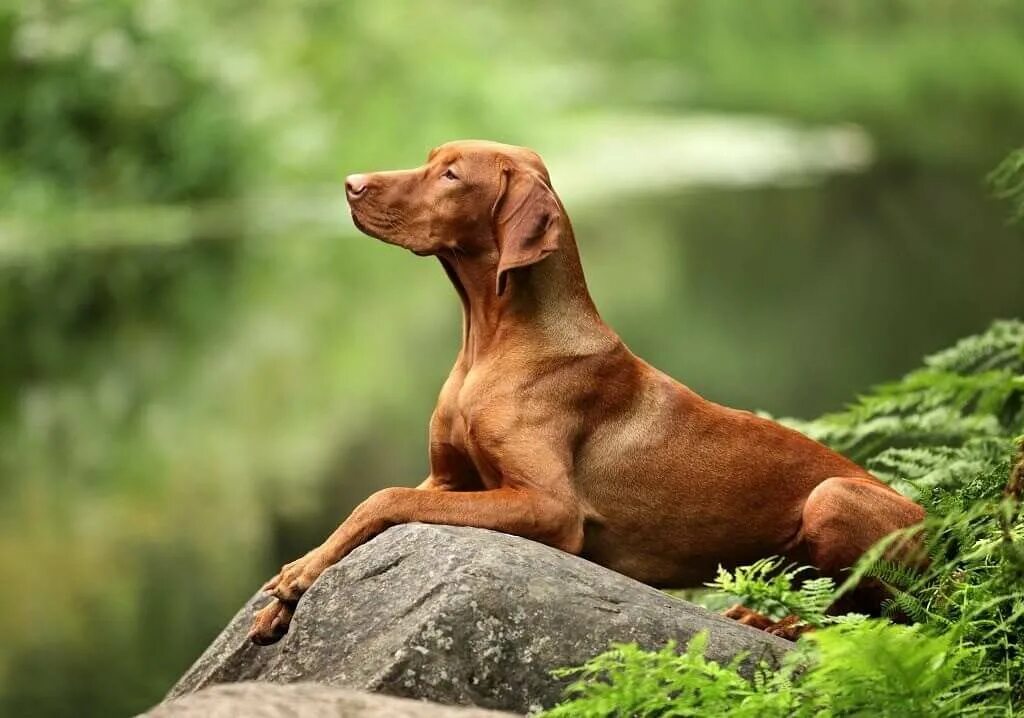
529 512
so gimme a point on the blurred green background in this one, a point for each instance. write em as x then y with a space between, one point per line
203 366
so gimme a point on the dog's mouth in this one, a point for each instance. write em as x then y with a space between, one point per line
361 225
372 227
367 225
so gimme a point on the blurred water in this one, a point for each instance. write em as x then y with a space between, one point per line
792 299
612 156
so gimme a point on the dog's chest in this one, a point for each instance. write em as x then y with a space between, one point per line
466 402
466 414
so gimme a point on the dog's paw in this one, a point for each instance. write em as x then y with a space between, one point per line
748 617
295 578
790 628
270 623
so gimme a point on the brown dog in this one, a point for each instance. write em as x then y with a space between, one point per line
549 428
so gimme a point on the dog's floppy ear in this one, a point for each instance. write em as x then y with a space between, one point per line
526 218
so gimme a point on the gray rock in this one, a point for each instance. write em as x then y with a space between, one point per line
463 616
304 700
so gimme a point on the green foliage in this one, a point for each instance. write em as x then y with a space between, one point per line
879 64
1008 181
964 652
952 414
627 681
916 471
777 590
859 667
99 292
962 656
970 588
113 101
872 667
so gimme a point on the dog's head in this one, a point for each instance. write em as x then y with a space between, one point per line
485 200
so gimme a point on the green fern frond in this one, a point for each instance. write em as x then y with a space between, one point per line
1008 181
891 573
1000 347
866 439
774 588
916 471
902 604
813 599
972 390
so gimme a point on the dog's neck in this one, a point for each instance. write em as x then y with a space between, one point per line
548 302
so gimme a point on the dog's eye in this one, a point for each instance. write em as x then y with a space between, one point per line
449 175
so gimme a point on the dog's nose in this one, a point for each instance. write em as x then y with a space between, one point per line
355 186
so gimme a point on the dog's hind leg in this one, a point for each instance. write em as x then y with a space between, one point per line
842 519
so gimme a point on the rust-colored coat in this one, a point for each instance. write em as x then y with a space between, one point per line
548 427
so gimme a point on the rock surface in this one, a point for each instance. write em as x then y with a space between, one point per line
304 700
463 616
